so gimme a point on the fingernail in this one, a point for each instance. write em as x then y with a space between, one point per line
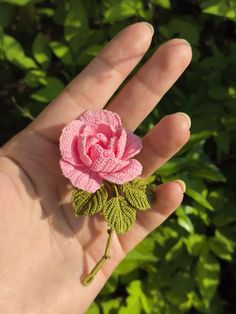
187 118
182 183
149 26
185 41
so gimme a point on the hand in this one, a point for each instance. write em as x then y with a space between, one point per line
44 248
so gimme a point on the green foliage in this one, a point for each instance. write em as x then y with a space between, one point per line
41 51
119 207
85 203
136 300
221 8
207 276
120 216
139 194
52 87
188 264
80 199
17 2
13 52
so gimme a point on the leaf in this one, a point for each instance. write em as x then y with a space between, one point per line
144 254
17 2
136 301
186 28
181 290
76 28
220 8
208 171
96 203
220 249
85 203
119 215
79 199
49 12
198 197
196 244
110 306
222 198
138 193
172 166
175 251
41 51
35 77
194 139
25 112
207 276
185 222
110 286
62 51
15 54
93 309
120 11
226 237
48 93
162 3
196 189
88 54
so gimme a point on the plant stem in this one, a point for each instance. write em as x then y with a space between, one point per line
89 278
116 190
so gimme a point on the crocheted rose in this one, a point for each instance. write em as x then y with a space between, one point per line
96 147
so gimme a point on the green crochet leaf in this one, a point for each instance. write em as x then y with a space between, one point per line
79 199
140 183
85 203
139 194
119 214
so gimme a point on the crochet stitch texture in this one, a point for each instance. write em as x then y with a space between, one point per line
96 147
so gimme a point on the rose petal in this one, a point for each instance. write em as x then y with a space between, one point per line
112 144
128 173
121 144
102 139
104 162
81 177
67 142
82 146
91 141
90 136
87 129
133 145
106 129
119 164
96 151
103 116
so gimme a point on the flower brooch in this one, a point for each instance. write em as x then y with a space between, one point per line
97 157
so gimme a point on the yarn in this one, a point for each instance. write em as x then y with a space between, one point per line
117 203
95 148
97 157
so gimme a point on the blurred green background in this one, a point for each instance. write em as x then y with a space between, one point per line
188 265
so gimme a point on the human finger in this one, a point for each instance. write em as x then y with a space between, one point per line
145 89
94 86
163 141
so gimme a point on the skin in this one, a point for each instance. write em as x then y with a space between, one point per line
44 248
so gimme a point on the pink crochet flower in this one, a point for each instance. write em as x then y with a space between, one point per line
95 148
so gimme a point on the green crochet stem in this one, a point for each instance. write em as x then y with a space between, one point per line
116 190
89 278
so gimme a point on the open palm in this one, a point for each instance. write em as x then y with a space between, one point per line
44 248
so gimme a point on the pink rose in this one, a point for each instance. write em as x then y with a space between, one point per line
95 148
